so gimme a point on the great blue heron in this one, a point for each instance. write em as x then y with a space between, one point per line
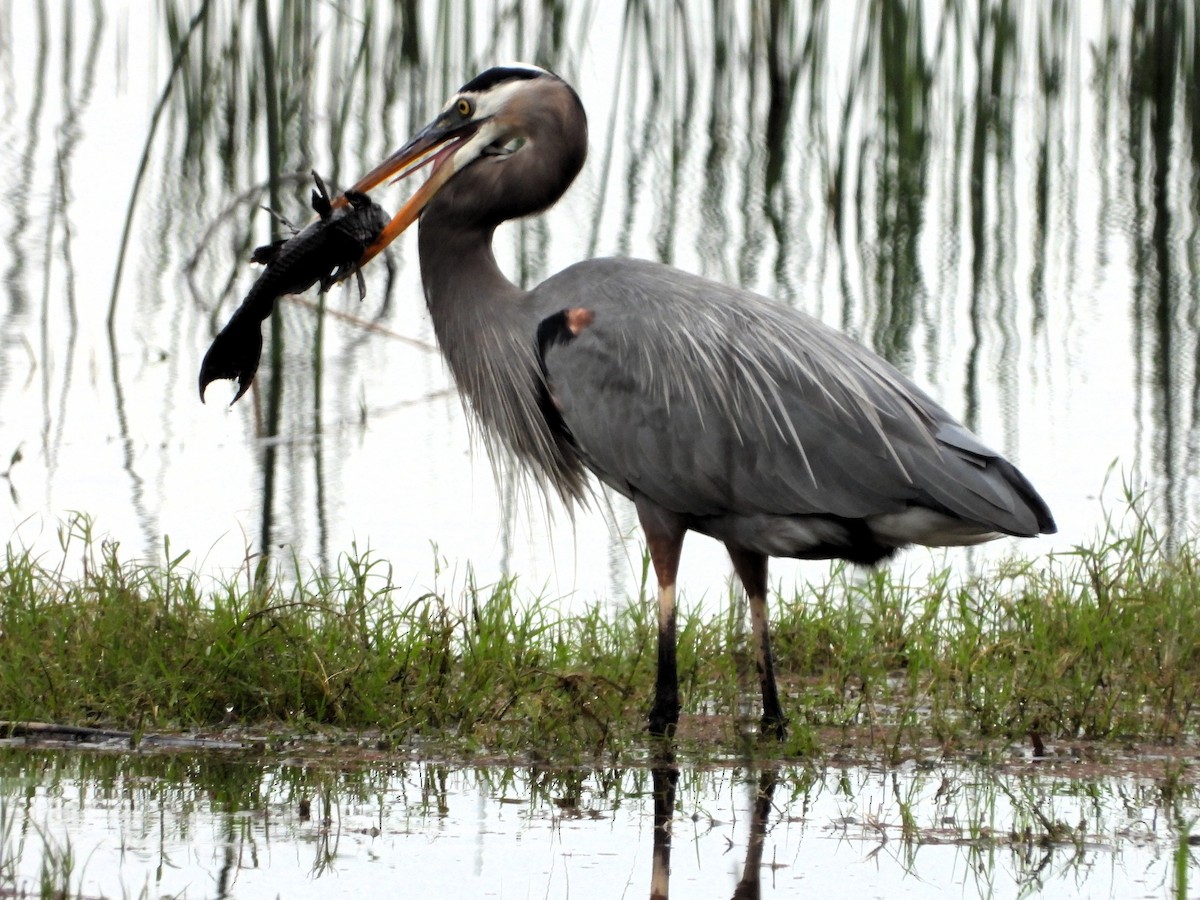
714 409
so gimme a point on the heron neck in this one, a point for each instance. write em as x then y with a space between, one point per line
485 325
481 323
459 271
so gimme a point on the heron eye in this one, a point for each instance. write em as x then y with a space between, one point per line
465 108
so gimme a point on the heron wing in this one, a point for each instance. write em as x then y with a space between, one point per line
714 401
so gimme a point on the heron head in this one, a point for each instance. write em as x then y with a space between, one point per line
523 122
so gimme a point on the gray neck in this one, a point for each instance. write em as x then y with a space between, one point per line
459 271
487 328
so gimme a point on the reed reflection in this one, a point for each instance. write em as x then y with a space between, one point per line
305 820
1165 200
665 781
1000 196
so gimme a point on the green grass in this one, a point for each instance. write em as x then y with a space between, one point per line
1100 644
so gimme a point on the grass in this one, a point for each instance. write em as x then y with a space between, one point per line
1100 644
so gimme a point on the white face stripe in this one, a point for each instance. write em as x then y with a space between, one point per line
487 134
491 101
487 103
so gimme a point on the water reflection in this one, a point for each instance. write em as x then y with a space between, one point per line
665 780
1000 197
248 825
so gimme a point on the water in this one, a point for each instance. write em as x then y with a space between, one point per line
343 824
1003 201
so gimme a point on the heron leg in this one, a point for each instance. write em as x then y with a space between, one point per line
664 539
751 568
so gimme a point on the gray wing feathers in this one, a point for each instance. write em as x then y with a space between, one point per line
711 400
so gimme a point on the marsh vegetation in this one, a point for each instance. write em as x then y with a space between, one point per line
1098 644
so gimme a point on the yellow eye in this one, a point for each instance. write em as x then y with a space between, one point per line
465 108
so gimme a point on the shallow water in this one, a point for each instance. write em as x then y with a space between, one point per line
219 824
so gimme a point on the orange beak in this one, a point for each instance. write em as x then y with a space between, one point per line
434 144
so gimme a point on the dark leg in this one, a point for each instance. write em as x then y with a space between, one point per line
664 539
752 570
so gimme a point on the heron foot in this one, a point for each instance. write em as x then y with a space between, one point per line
663 719
773 727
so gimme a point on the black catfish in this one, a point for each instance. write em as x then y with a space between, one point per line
325 252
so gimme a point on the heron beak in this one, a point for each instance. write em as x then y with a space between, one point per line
434 144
